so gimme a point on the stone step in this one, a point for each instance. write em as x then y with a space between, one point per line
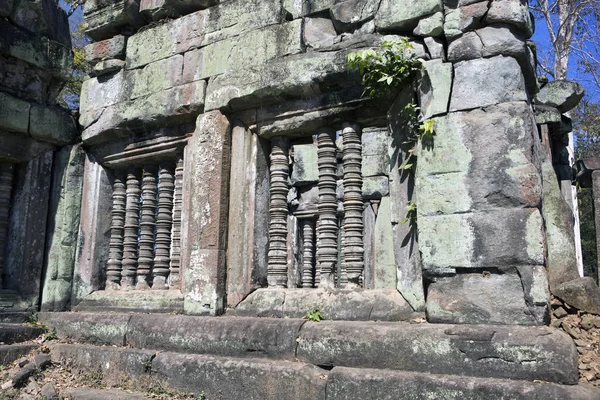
85 393
14 317
257 378
15 333
507 352
12 352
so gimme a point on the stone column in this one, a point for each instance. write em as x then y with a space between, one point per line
115 257
147 227
6 181
164 220
130 242
176 231
352 247
327 248
278 213
308 252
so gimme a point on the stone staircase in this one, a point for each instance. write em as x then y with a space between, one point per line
14 330
287 358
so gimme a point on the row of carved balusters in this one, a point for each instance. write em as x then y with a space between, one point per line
6 182
320 271
144 249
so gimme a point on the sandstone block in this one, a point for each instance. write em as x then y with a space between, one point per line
430 26
104 91
465 47
305 169
375 187
502 40
88 327
104 19
384 262
483 82
581 293
14 114
564 95
434 88
435 48
107 67
464 18
42 18
156 76
319 32
109 48
158 9
53 125
347 14
513 12
394 15
482 240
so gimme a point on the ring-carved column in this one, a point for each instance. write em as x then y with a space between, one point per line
308 238
147 227
278 213
328 226
115 252
176 232
164 221
132 224
6 180
352 247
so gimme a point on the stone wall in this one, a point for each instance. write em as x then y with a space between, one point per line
255 100
35 61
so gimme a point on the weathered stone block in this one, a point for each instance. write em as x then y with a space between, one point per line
304 170
204 238
435 48
53 125
465 47
564 95
159 9
104 19
480 83
444 194
169 107
92 328
254 48
404 15
435 87
156 76
430 26
513 12
41 17
502 40
375 187
347 14
109 48
501 239
14 114
464 18
107 67
442 349
582 293
103 91
384 263
482 298
319 32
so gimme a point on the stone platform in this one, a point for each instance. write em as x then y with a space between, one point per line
286 358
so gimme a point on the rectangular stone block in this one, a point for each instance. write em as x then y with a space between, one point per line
404 15
109 48
52 124
501 238
304 169
158 9
103 91
91 328
384 263
253 48
106 18
223 21
156 76
174 106
14 113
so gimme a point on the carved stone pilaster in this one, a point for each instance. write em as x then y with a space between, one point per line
328 226
176 231
147 227
115 252
352 246
164 221
6 181
132 224
308 253
278 212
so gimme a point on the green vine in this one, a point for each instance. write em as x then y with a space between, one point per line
385 71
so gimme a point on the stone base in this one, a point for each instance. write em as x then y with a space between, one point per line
146 301
334 304
522 353
254 378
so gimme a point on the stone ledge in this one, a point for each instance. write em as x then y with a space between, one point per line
148 301
12 333
348 305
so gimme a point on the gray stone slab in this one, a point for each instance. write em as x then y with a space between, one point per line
87 393
394 15
105 19
141 301
236 337
13 333
12 352
435 88
14 115
336 304
304 167
231 378
52 125
564 95
513 12
515 352
109 48
94 328
349 383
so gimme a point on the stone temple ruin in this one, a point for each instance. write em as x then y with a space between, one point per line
226 167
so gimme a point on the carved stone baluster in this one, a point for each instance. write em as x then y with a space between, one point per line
6 181
308 229
132 225
278 213
164 221
328 226
353 248
176 232
147 227
115 252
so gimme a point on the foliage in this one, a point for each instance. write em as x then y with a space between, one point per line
314 314
51 336
386 69
69 96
